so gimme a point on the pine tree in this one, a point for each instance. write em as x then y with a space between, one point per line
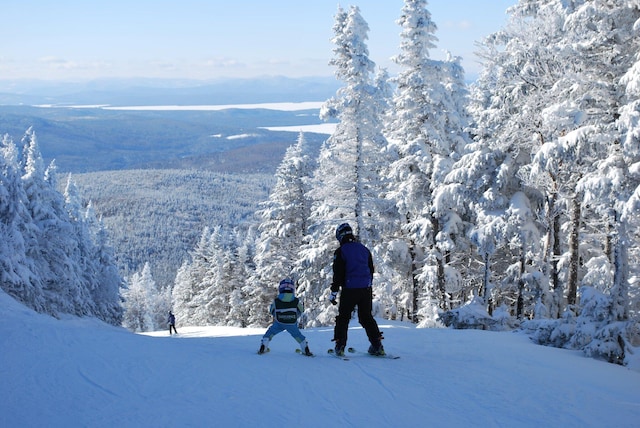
192 281
108 281
139 301
17 271
283 226
242 273
347 183
50 264
182 294
629 193
213 301
55 250
427 132
510 125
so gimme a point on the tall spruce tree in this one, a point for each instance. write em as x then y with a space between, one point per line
349 179
140 298
51 263
191 281
282 228
427 130
509 100
17 270
56 248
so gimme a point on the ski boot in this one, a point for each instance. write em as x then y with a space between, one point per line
376 347
304 348
264 346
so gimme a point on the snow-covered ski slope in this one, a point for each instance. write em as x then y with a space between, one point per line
83 373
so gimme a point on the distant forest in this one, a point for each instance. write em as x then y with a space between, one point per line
94 139
157 216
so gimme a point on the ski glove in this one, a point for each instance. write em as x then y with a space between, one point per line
332 297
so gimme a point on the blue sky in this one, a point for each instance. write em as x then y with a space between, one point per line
208 39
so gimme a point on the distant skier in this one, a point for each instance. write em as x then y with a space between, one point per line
285 309
353 272
172 323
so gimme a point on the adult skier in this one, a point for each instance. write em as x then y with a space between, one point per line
353 273
172 323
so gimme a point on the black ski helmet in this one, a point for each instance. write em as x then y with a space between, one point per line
343 230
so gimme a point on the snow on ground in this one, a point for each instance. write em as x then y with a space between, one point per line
83 373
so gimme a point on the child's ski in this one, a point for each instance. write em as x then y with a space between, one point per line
299 351
333 352
387 356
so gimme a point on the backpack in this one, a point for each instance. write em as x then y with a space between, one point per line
286 312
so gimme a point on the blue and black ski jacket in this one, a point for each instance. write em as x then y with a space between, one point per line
352 266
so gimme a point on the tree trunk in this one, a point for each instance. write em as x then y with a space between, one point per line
555 277
620 289
574 253
415 284
442 291
552 254
359 205
609 240
553 251
486 285
520 303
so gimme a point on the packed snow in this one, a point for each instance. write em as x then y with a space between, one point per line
82 372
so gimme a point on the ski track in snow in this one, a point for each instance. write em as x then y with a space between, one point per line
80 372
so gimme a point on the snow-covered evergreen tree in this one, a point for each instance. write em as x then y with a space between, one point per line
212 288
17 271
558 86
217 286
241 279
629 125
283 226
108 281
427 130
95 257
56 250
140 298
48 258
191 284
521 69
182 294
348 181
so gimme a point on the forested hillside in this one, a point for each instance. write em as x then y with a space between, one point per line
96 139
157 216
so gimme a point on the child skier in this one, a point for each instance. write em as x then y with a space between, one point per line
285 309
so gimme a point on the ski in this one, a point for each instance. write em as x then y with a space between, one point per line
263 352
333 352
387 356
299 351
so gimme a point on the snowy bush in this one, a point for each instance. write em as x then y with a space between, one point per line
472 315
608 343
429 316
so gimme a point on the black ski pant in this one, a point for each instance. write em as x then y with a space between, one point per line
171 326
349 299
